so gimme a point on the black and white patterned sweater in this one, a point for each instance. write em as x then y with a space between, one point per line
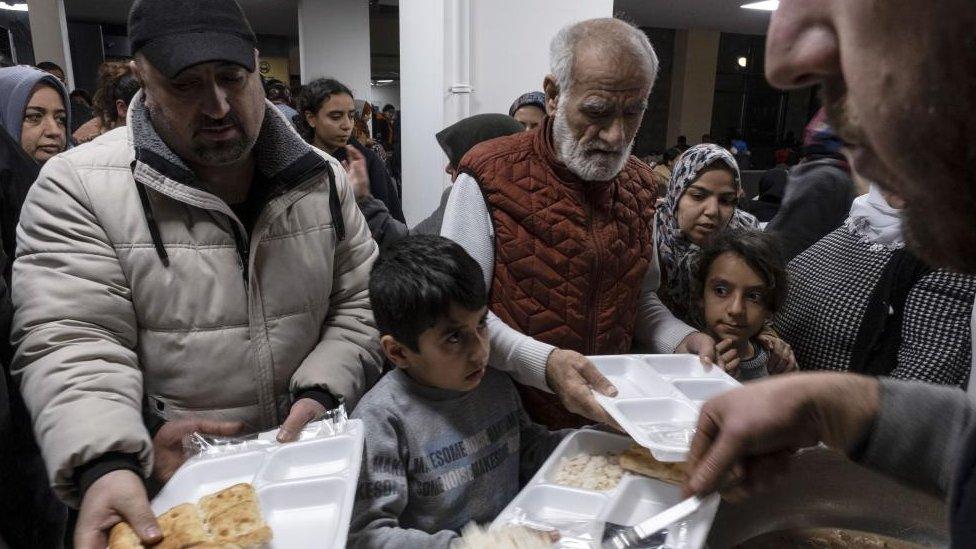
830 286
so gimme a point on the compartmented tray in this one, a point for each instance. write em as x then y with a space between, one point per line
659 397
582 512
306 489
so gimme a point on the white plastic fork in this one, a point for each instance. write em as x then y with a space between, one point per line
646 528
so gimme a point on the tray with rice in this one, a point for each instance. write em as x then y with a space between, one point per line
593 478
263 494
583 486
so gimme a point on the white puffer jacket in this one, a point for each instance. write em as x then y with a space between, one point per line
137 290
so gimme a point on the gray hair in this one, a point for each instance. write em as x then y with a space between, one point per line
612 34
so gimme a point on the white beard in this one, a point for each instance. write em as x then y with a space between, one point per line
587 165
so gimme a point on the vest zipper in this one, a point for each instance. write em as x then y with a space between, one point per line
594 297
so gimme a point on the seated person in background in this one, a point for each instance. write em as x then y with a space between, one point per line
740 283
664 168
328 116
818 194
529 110
861 302
447 440
455 140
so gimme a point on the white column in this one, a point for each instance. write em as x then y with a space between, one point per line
49 34
692 84
464 57
333 42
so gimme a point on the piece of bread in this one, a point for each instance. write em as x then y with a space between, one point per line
182 527
227 498
122 536
229 519
638 459
233 516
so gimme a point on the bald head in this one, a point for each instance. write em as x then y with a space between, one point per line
613 42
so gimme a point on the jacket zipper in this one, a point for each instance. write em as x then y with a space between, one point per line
243 251
594 297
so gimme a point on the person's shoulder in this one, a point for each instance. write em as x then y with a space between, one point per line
496 148
378 401
112 149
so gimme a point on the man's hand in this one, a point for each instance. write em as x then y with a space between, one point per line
168 453
571 376
114 497
697 343
302 411
781 357
355 165
754 429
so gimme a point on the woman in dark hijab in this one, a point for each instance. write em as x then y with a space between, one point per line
456 140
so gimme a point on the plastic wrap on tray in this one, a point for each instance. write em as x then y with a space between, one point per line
572 533
330 423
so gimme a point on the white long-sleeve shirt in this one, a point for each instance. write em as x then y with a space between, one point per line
468 222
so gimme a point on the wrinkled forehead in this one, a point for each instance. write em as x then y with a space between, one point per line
612 69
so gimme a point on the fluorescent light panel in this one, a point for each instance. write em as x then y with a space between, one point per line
20 6
766 5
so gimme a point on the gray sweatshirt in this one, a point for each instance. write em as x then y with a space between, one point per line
437 459
926 435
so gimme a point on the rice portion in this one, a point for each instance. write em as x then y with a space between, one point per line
590 472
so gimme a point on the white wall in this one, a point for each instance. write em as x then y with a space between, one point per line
500 48
510 45
333 41
382 95
49 34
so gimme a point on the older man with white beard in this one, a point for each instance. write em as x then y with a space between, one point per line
560 221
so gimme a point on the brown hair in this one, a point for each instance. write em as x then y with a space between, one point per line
115 81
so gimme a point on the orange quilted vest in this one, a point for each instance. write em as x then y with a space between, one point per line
570 255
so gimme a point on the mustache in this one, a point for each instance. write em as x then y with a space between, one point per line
833 95
207 122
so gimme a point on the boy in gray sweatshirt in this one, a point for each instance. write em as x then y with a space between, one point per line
447 440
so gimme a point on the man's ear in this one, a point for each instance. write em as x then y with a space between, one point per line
394 351
137 73
310 118
552 93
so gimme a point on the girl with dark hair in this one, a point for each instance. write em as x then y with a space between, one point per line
326 119
116 88
740 283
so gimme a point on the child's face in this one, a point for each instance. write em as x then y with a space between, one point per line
734 299
453 354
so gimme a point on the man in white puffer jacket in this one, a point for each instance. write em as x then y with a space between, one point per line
202 268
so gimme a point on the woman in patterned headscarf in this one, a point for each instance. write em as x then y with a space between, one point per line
700 203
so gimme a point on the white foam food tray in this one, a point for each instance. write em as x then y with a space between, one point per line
634 499
306 489
659 397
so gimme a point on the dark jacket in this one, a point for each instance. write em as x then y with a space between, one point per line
381 184
817 200
386 230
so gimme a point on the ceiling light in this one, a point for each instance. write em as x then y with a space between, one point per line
20 6
743 62
766 5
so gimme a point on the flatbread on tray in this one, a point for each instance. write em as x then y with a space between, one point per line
638 459
229 519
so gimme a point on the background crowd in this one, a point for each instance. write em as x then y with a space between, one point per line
562 244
